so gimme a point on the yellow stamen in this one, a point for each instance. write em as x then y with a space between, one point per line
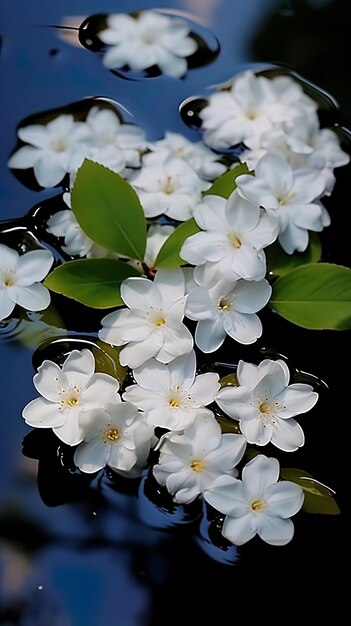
111 435
174 403
197 466
160 321
265 408
234 239
257 505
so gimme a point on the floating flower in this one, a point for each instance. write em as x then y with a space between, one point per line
291 196
189 463
171 188
235 232
259 504
205 162
116 436
20 277
253 105
171 395
66 393
146 40
265 403
52 148
227 308
152 325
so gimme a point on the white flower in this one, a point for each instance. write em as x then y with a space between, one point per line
172 188
265 403
258 504
109 133
197 155
52 148
234 234
64 224
171 395
146 40
157 234
304 145
291 196
20 278
252 106
227 308
152 325
115 436
66 393
191 462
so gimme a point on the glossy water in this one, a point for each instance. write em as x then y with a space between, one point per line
82 551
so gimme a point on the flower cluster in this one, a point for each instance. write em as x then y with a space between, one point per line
171 407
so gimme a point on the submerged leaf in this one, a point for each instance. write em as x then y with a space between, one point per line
94 282
280 263
318 497
230 380
315 296
225 184
109 211
228 425
168 255
107 360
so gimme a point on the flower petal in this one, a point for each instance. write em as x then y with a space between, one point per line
258 475
209 335
226 494
79 367
239 530
49 381
6 304
101 389
204 389
171 284
70 432
256 431
140 294
135 354
41 413
228 454
275 530
245 329
284 499
287 435
296 398
33 266
33 298
144 399
48 170
153 375
251 296
91 456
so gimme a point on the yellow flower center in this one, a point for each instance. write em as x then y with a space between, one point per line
234 239
224 304
168 187
265 408
111 435
160 321
173 402
197 466
59 145
256 505
69 399
8 282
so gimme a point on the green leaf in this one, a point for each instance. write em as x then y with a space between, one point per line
315 296
318 497
109 211
280 263
94 282
168 255
225 184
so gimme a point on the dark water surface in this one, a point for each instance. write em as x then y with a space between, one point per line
81 553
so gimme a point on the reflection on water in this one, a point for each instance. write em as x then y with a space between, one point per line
81 551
